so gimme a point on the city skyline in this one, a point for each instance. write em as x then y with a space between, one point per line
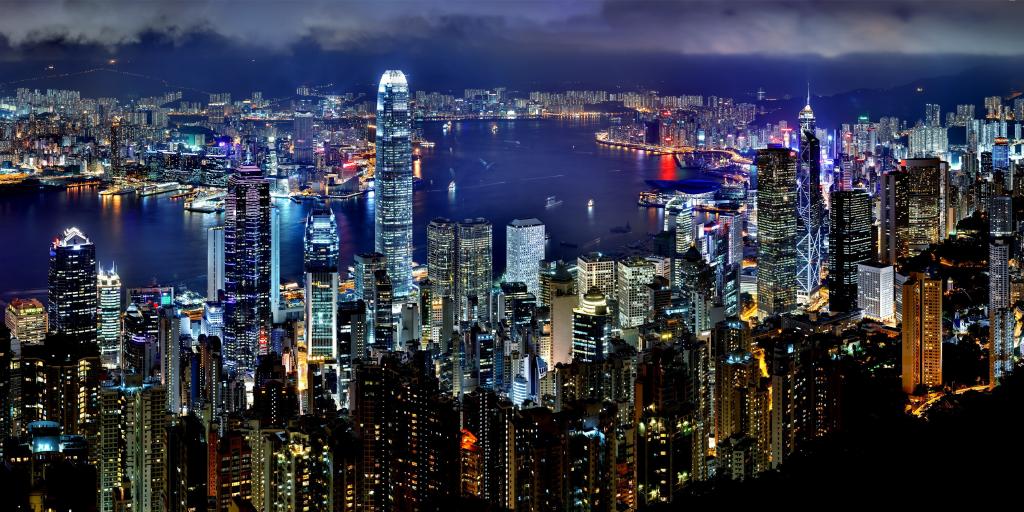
604 256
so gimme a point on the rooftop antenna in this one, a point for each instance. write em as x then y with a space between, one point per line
808 92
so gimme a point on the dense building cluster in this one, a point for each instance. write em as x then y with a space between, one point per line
611 382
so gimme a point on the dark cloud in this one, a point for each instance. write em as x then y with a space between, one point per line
827 28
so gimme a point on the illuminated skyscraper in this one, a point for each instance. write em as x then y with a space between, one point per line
117 170
474 277
26 318
849 245
441 265
595 270
777 231
591 325
524 250
247 267
913 206
71 299
809 208
1000 215
214 261
321 287
459 264
275 259
109 317
922 333
393 180
633 277
875 287
302 128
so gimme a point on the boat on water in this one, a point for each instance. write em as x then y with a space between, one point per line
447 127
590 203
552 202
451 186
494 128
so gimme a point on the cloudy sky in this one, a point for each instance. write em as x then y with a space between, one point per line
922 37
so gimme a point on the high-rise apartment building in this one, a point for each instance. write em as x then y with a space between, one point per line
922 333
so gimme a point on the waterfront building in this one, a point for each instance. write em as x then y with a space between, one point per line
393 180
524 251
71 298
777 231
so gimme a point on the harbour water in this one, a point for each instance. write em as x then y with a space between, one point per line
500 174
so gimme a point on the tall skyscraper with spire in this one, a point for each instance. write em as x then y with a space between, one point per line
393 180
809 207
247 262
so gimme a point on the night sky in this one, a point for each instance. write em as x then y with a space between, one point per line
725 47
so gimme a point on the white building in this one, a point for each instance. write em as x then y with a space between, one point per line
108 289
633 277
875 291
524 250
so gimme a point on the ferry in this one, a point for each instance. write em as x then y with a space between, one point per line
451 186
552 202
494 128
447 127
159 188
590 203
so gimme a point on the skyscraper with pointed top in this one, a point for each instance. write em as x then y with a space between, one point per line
809 207
393 180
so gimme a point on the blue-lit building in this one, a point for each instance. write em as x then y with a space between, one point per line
809 208
393 181
320 257
247 262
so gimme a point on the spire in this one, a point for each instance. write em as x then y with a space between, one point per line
808 93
